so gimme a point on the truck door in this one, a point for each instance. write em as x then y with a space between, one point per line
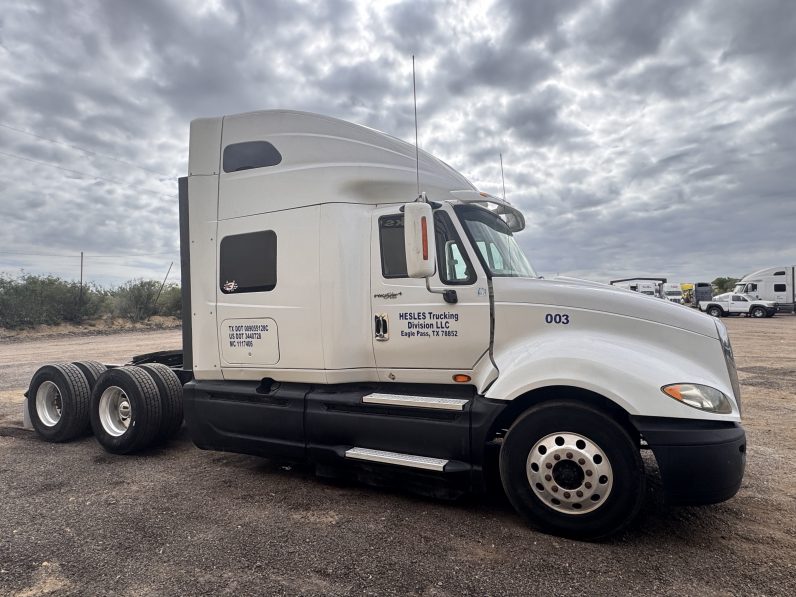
417 329
738 304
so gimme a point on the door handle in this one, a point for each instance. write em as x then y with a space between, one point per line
382 333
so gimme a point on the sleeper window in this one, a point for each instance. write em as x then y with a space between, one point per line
779 287
251 154
248 262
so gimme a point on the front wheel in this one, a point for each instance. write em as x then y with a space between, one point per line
758 312
572 470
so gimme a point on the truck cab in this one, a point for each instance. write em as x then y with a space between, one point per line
775 284
361 306
355 303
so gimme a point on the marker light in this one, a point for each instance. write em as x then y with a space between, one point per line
461 378
699 396
424 233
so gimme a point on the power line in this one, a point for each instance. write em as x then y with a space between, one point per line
83 149
77 255
87 175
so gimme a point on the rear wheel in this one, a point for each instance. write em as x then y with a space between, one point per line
758 312
92 370
125 410
170 390
715 311
58 402
572 470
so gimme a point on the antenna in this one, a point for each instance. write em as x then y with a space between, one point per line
502 177
417 151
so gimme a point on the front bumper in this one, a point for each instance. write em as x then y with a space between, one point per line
701 462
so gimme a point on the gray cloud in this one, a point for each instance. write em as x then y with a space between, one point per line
639 137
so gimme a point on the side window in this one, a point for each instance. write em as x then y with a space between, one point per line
782 273
251 154
393 251
779 287
738 298
452 263
751 288
248 262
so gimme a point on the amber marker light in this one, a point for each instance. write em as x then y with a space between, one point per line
424 233
674 392
461 378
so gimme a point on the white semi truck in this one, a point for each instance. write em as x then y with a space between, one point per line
777 284
333 314
672 292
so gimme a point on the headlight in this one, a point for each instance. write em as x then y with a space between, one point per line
699 396
729 359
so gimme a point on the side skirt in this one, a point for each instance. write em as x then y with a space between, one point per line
427 438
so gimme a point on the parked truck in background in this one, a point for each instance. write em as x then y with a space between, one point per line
731 303
648 286
672 292
777 284
334 315
694 293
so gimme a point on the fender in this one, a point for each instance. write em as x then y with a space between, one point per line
629 373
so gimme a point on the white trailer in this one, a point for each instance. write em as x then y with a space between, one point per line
334 315
648 286
775 284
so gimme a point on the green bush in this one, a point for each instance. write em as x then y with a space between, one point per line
170 302
28 300
135 300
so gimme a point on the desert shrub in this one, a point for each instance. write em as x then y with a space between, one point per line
29 300
170 301
135 299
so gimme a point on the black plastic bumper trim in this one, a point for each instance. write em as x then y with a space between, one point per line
701 462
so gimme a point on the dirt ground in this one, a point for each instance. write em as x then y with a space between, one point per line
75 520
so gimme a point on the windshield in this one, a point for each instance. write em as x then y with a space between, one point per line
498 250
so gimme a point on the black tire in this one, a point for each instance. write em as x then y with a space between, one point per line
170 390
92 370
65 389
715 311
139 429
758 312
615 448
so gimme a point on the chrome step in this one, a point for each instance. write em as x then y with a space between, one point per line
434 402
424 462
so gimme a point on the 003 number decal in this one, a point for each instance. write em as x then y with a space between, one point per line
562 319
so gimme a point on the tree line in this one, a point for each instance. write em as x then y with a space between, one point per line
28 300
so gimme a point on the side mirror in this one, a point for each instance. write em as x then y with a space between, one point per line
419 239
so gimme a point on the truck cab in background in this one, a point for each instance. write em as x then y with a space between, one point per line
775 284
672 292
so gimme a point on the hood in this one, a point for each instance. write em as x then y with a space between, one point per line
594 296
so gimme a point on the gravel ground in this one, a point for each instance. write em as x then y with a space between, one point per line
75 520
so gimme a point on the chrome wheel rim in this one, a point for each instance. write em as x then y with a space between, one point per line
115 411
570 473
49 404
758 313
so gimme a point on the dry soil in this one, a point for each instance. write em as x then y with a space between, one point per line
75 520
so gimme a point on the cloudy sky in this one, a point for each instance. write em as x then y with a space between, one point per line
640 137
